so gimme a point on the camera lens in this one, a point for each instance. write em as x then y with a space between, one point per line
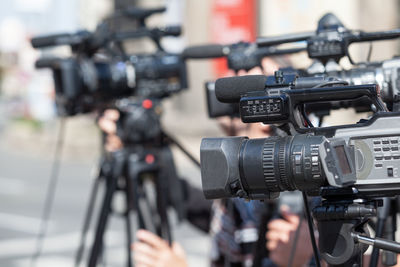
279 164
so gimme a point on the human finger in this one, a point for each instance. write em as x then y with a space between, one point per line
111 114
178 249
255 71
151 239
291 217
271 245
143 260
145 249
281 225
277 236
107 125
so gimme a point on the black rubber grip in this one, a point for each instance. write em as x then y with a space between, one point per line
51 40
229 90
283 39
205 51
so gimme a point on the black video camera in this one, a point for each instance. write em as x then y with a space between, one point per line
96 73
81 84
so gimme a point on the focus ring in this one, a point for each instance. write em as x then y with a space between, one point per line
269 164
282 166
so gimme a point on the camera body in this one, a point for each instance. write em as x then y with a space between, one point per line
363 157
386 74
82 84
217 109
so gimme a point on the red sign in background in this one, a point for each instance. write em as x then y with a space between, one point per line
232 21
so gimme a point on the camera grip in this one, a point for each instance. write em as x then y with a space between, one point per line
311 95
51 40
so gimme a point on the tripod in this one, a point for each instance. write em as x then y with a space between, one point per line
342 225
145 161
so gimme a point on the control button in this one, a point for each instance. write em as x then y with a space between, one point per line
377 142
378 165
385 142
394 141
379 157
377 149
396 156
390 172
298 169
386 149
395 148
388 157
297 159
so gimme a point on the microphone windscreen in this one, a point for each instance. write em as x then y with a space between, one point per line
50 40
47 62
204 51
229 90
174 30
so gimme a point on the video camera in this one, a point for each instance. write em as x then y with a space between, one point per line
385 74
240 56
363 157
90 78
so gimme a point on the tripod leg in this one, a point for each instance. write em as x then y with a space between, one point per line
129 207
88 217
169 191
162 206
112 181
138 196
128 238
89 211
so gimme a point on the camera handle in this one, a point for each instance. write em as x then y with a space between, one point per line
377 242
385 228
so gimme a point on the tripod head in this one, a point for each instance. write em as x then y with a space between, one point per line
342 219
139 121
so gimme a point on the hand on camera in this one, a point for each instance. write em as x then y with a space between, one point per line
280 237
108 124
152 251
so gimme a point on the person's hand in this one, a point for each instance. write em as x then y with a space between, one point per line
152 251
280 237
108 124
235 127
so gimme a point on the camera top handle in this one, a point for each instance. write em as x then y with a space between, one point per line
89 42
139 14
331 40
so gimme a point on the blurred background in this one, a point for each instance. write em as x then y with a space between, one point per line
29 125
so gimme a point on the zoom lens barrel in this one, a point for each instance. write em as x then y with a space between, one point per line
267 166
